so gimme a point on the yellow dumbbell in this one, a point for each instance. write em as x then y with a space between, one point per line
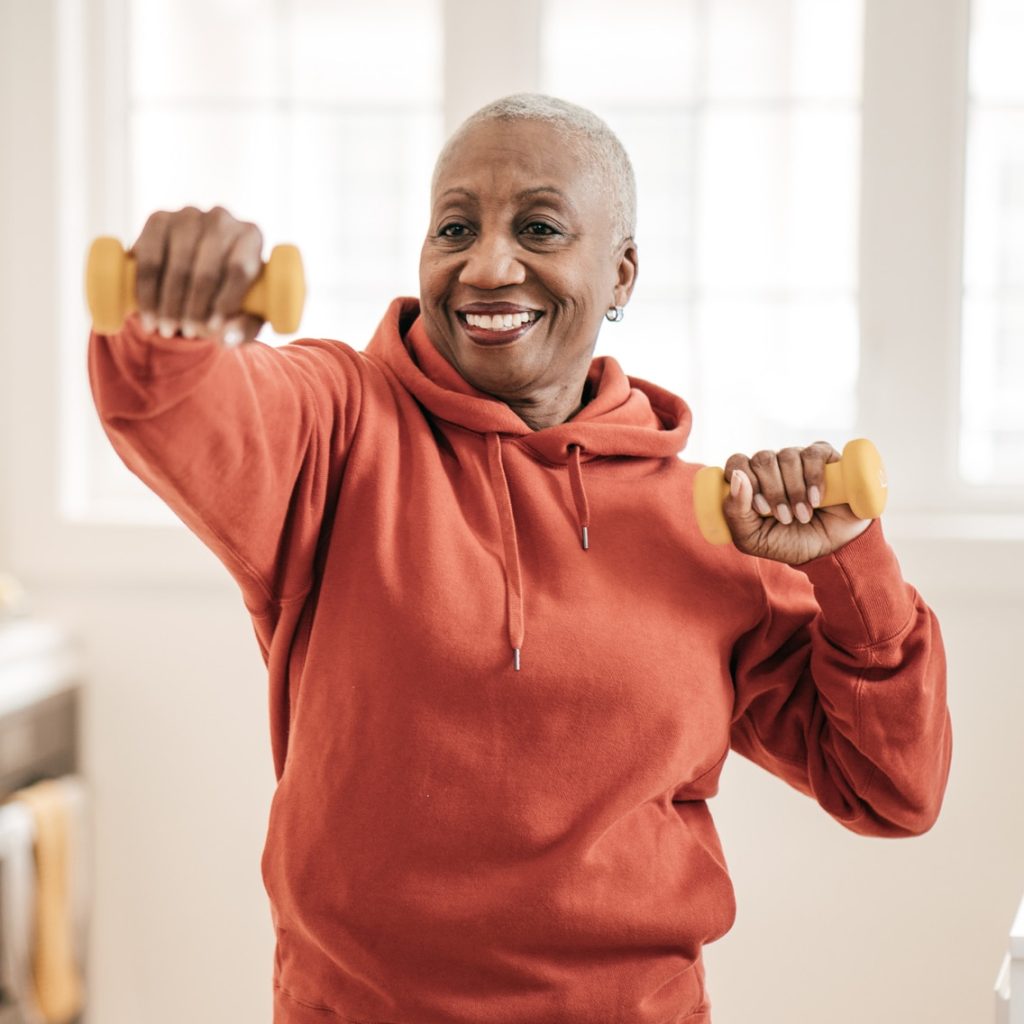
857 479
277 295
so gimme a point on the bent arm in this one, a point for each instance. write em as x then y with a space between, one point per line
246 444
841 689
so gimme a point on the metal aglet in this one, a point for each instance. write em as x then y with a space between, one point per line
586 543
516 660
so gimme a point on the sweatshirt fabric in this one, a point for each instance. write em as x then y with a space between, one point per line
505 671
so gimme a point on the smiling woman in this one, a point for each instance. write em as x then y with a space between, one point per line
505 668
530 219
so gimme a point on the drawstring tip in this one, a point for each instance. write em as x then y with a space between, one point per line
516 657
586 543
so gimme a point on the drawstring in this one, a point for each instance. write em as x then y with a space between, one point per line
579 495
513 570
513 577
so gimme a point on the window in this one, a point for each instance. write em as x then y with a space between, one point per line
802 207
992 354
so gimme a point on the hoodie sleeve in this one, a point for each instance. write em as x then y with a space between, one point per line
840 688
245 444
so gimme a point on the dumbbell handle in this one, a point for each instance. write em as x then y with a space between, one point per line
277 295
857 479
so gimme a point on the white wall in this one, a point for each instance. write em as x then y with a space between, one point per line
831 926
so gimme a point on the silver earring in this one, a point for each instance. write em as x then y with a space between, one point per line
614 314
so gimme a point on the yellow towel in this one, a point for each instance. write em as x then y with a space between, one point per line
58 981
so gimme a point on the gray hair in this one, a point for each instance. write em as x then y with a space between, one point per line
590 137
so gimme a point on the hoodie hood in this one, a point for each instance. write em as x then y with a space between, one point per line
625 416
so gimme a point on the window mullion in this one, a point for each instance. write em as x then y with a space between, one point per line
488 54
913 130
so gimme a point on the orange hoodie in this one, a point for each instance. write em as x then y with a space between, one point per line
455 838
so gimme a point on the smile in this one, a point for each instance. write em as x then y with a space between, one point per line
498 329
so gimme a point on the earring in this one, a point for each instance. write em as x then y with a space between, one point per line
614 314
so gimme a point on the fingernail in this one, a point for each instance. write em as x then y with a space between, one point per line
785 516
761 505
232 336
189 329
215 324
734 486
148 322
167 328
802 512
815 495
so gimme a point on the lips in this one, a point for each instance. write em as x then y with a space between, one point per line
496 323
492 334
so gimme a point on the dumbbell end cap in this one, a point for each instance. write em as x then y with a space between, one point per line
105 284
708 487
286 288
864 478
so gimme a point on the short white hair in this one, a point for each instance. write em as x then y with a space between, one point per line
594 142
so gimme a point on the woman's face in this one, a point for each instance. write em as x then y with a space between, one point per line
518 226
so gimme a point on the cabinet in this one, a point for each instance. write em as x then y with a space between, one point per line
1010 983
39 725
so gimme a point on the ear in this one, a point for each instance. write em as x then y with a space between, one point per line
627 267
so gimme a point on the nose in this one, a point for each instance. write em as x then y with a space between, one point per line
491 262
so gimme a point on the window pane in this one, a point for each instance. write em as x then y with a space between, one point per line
207 155
777 200
655 342
316 119
992 339
784 49
761 381
747 209
339 50
360 198
992 392
994 227
997 42
180 49
583 40
661 148
349 52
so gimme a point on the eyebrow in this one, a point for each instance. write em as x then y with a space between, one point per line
525 194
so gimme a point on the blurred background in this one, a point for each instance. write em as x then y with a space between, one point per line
831 238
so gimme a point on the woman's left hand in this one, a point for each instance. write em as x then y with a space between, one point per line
798 531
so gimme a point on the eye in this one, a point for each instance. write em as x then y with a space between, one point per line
453 230
547 229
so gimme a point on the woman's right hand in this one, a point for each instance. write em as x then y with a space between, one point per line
193 269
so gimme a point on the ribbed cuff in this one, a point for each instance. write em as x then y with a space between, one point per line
861 591
154 356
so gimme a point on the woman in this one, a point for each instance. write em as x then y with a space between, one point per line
505 668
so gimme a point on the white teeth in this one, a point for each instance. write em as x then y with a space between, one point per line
501 322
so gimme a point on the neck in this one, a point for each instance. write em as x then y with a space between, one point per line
548 409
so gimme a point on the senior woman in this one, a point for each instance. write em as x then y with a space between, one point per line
505 668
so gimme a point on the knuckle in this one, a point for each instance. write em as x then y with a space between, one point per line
240 271
219 217
765 457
